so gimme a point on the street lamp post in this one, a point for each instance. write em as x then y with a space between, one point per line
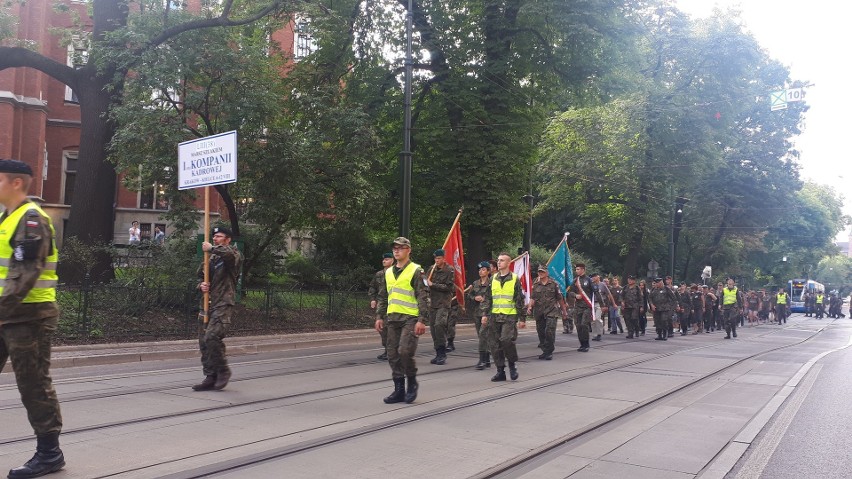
405 155
530 199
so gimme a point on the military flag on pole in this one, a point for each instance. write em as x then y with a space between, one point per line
521 267
454 254
559 266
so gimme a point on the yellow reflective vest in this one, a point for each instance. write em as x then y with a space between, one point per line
44 290
503 295
401 297
782 298
819 299
729 296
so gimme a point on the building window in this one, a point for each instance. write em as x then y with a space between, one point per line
69 176
305 44
78 55
153 198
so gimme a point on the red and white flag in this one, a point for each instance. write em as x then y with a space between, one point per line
521 267
454 254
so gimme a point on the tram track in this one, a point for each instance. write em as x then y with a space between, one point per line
497 471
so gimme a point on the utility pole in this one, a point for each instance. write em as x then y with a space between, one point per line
405 155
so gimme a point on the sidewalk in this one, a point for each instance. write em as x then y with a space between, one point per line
97 354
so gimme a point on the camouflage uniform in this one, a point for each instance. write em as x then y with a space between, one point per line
665 302
685 311
479 288
696 299
225 261
632 299
731 312
441 294
402 342
378 292
503 328
546 311
26 328
582 311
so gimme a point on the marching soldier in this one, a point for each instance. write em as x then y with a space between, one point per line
696 298
732 304
378 295
709 307
820 305
475 297
631 305
781 300
442 289
546 304
585 300
684 309
28 312
505 302
663 303
225 261
406 313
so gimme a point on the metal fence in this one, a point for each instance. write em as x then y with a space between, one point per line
118 313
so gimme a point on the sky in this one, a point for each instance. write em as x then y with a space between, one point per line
812 39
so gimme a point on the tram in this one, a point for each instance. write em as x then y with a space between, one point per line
797 288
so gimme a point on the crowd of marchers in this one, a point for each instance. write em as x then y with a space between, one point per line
407 298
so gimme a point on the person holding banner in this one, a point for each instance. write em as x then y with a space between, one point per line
225 261
378 294
586 303
442 289
505 302
407 312
475 296
546 304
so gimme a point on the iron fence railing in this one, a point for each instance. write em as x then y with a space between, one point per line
139 312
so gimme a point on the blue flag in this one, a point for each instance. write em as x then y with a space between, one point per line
559 266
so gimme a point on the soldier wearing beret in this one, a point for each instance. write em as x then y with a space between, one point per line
378 295
632 301
28 312
442 289
407 310
224 264
475 296
663 303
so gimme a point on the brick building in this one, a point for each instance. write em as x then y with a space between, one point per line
40 120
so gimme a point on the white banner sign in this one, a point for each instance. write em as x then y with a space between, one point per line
208 161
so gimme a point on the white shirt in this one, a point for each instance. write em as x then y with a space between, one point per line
134 234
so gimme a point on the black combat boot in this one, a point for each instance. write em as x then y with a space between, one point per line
481 364
398 394
734 332
659 335
441 359
450 346
411 392
513 371
584 346
383 356
630 336
48 458
437 356
206 385
222 379
500 376
487 360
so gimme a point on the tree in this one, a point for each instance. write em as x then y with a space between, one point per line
99 85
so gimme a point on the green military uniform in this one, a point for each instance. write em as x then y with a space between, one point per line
225 262
546 311
632 300
584 288
504 300
29 315
665 303
402 342
378 292
441 294
479 288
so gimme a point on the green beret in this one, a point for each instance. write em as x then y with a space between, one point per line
15 167
439 252
387 256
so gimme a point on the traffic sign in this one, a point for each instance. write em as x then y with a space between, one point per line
778 100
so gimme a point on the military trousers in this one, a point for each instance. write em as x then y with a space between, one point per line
696 318
545 326
27 345
501 338
402 345
631 320
211 340
452 318
662 322
732 317
384 332
438 324
481 333
781 312
583 321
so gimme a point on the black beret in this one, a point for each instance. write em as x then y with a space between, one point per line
15 167
630 276
387 255
223 230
